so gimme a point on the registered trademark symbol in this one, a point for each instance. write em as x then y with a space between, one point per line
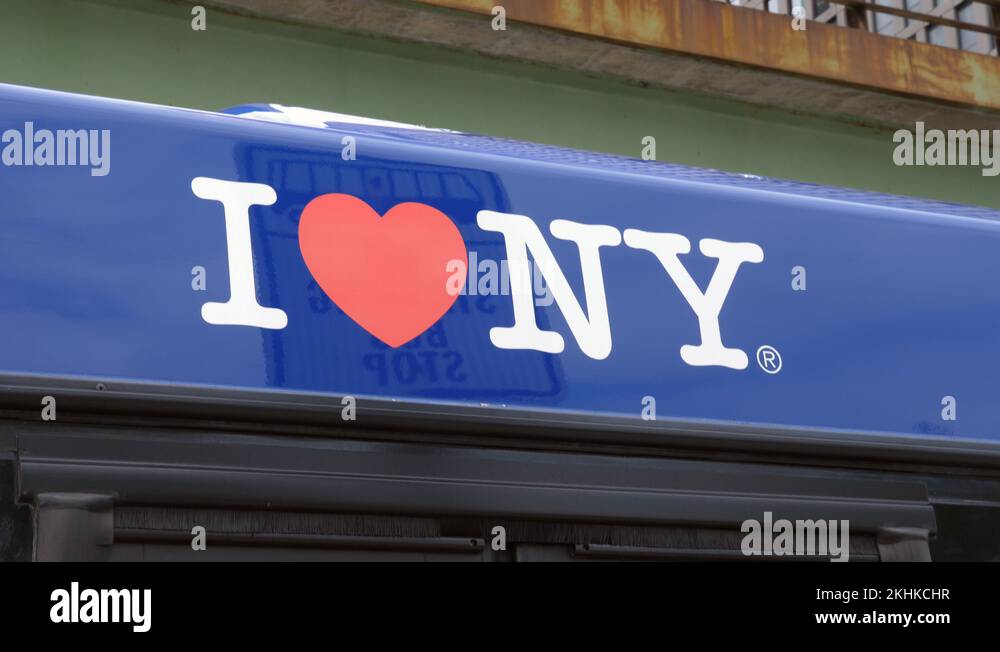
769 359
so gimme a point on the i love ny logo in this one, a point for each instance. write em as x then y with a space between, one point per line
395 274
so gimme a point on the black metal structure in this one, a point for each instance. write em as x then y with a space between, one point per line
127 473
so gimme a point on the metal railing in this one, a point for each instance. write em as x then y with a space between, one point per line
913 19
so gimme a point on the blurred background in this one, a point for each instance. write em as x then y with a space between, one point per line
810 90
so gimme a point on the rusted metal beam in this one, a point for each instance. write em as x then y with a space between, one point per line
705 28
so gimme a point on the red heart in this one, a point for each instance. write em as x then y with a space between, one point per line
390 274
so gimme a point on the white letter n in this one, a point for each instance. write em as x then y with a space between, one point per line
520 233
242 308
707 306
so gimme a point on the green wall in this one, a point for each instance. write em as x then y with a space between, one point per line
146 50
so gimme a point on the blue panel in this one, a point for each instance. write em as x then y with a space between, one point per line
900 308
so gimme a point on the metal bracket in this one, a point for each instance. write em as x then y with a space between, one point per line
903 544
73 527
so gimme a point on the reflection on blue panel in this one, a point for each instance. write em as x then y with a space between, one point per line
899 309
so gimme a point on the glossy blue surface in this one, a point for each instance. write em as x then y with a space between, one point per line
902 306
